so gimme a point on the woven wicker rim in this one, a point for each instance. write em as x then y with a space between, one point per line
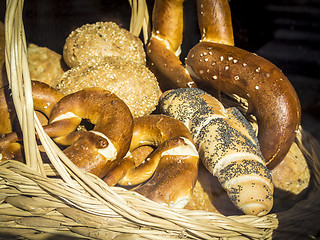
58 198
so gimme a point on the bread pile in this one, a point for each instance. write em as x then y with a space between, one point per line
183 148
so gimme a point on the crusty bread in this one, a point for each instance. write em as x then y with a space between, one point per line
102 39
227 145
134 83
45 65
3 75
208 195
291 178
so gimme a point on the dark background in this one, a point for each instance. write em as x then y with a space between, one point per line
286 32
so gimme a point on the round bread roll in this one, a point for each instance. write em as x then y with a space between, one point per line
102 39
134 83
45 65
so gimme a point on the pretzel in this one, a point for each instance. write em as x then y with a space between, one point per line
163 48
44 98
170 172
215 64
227 146
95 151
100 149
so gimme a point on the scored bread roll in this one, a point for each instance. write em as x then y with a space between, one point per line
134 83
227 146
102 39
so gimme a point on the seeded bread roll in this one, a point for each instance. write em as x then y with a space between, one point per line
45 65
227 146
134 83
102 39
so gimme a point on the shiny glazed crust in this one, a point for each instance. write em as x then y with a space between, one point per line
271 97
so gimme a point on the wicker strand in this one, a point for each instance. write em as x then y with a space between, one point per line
19 80
213 225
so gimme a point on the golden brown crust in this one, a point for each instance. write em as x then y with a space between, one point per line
3 74
215 23
102 39
151 130
173 181
166 66
44 99
99 150
291 178
134 83
167 20
163 49
7 110
45 65
271 96
141 153
170 171
155 129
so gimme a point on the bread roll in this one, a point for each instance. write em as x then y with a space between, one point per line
102 39
291 179
45 65
134 83
208 195
227 145
3 75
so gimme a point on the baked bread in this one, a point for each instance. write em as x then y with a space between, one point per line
45 65
3 75
208 195
102 39
291 178
134 83
227 146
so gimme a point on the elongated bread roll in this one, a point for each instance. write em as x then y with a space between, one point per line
227 145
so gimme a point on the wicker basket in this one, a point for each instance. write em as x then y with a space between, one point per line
57 200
